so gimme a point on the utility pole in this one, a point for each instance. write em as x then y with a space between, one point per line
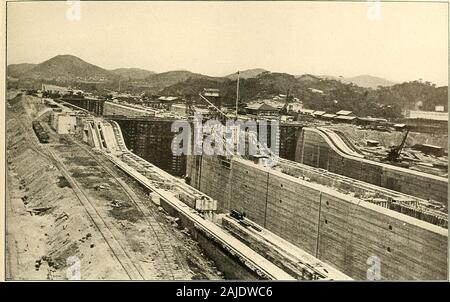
237 94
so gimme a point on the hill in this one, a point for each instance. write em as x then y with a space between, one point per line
73 70
412 95
160 81
246 74
318 93
16 70
368 81
265 85
68 68
133 73
310 78
326 93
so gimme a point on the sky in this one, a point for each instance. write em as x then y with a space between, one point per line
396 41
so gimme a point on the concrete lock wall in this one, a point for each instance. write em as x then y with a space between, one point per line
211 177
228 264
314 149
407 248
336 228
151 139
110 109
92 105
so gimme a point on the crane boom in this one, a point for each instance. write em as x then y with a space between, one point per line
403 142
212 105
394 153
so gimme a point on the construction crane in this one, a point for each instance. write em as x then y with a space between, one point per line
215 111
395 151
189 106
285 110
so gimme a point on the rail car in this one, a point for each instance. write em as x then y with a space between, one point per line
236 214
40 132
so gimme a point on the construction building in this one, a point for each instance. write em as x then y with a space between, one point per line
63 122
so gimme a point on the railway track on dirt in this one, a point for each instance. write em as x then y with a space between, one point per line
150 216
116 249
107 232
32 139
167 249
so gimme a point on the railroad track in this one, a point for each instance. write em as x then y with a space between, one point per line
229 242
128 267
139 169
120 253
117 250
158 229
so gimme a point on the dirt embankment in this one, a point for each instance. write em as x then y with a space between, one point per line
46 226
49 224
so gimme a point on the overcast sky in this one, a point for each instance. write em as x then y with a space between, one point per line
406 41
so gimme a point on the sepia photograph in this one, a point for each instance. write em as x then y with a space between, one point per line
225 140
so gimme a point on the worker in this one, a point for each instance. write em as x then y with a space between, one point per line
187 179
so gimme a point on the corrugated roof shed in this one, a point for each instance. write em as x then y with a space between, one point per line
261 107
399 125
168 98
372 119
254 106
346 118
428 115
344 112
